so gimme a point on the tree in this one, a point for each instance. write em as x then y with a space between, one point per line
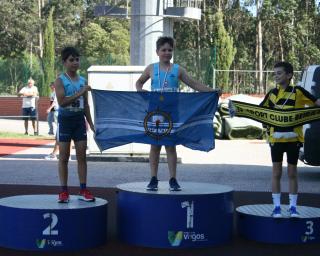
17 27
48 56
223 42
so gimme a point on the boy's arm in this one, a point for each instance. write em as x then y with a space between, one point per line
196 85
142 79
264 102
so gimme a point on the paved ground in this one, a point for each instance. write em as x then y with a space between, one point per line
243 164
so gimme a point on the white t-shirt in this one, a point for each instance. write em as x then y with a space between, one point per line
29 101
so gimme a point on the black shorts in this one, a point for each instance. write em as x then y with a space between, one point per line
71 128
31 112
291 148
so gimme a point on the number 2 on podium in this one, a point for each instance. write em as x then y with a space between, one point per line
49 231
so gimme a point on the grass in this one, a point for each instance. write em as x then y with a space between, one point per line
12 135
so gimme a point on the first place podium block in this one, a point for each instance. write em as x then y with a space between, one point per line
201 215
38 222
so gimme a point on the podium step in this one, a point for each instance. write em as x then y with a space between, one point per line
256 223
38 222
201 215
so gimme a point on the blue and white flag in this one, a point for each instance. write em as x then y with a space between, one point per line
167 118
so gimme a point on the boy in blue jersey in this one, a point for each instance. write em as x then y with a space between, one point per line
72 95
165 77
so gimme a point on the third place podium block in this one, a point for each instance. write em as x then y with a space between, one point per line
256 223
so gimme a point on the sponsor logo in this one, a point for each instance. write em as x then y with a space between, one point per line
307 238
40 243
194 237
175 238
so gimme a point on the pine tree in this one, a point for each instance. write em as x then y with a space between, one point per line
48 56
225 49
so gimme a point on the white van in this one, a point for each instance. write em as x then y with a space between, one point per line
310 153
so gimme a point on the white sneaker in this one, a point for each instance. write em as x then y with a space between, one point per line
51 157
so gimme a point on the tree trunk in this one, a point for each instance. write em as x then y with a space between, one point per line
259 46
40 5
280 44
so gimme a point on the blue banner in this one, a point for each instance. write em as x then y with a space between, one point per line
168 118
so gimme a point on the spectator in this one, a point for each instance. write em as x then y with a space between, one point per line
51 111
29 111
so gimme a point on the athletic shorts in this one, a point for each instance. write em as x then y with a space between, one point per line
291 148
71 128
30 112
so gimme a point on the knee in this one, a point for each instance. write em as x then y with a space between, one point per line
170 150
155 149
292 174
277 174
63 159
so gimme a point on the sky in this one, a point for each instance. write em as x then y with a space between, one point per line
253 8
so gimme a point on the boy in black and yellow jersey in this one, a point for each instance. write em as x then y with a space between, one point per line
289 140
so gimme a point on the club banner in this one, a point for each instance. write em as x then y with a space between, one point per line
273 117
167 118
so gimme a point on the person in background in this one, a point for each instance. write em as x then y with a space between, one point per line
29 111
51 111
54 105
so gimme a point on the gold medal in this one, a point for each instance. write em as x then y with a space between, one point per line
161 98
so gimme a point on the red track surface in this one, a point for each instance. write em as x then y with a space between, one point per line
11 146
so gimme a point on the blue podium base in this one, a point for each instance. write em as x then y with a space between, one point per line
256 223
201 215
38 222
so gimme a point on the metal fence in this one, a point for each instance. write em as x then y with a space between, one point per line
246 81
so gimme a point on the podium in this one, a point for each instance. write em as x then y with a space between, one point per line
201 215
256 223
38 222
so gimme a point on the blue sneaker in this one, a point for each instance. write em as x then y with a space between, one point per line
293 212
276 213
153 184
174 186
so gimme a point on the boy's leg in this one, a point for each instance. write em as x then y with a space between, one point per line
276 177
172 164
293 179
277 157
64 153
81 147
154 156
172 161
154 164
292 157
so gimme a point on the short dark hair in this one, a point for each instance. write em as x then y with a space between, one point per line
288 68
164 40
67 51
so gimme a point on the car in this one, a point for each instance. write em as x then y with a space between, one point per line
309 153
